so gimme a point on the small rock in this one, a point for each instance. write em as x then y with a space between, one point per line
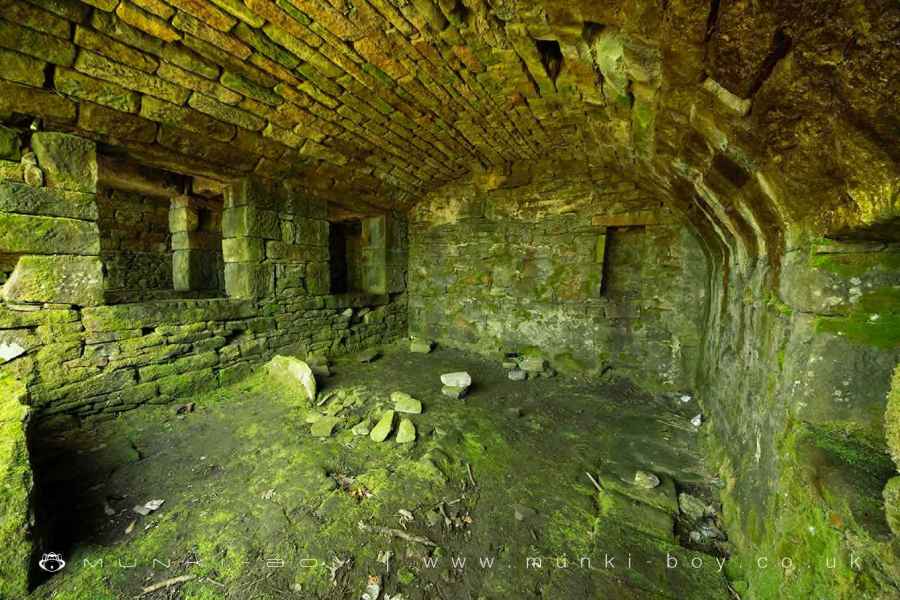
383 428
453 391
406 432
362 428
148 507
646 480
404 403
521 512
10 351
459 379
691 506
421 346
535 364
324 427
347 313
518 375
510 364
33 176
685 398
515 411
697 421
368 356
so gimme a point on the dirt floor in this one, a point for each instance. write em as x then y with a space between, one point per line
492 501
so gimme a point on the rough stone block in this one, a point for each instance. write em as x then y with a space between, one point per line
93 117
25 199
10 145
318 278
242 249
184 118
248 221
246 280
56 279
33 101
69 162
24 234
21 68
73 83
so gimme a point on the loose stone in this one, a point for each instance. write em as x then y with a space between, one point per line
458 379
646 480
421 346
518 375
383 428
368 356
324 427
406 432
404 403
454 391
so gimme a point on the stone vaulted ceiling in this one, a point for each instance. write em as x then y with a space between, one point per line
378 101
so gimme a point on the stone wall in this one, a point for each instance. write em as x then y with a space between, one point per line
797 367
78 356
135 243
576 263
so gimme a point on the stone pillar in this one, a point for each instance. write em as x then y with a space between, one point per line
50 226
374 254
196 228
15 490
249 219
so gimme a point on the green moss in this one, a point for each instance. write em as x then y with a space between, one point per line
874 320
892 418
856 264
15 490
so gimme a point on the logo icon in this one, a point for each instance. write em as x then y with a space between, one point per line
52 562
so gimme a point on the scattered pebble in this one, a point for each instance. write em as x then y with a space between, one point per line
406 432
458 379
645 479
697 421
148 507
383 428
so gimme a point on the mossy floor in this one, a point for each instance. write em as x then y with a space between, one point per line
257 508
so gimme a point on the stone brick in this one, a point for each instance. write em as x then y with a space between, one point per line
189 80
15 473
185 58
203 148
156 7
205 13
21 68
56 279
107 5
318 278
249 221
184 118
10 144
73 83
38 102
117 51
102 68
146 22
69 162
195 27
34 18
24 234
118 29
247 280
37 44
25 199
242 249
238 9
250 89
277 250
93 117
226 113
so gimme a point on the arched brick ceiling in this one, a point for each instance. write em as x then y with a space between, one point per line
791 106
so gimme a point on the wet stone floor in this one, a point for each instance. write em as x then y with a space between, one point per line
491 501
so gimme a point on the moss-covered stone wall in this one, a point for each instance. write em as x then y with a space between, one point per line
798 361
577 263
78 356
135 243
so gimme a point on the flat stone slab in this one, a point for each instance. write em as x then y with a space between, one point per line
324 427
620 478
458 379
404 403
383 428
406 432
